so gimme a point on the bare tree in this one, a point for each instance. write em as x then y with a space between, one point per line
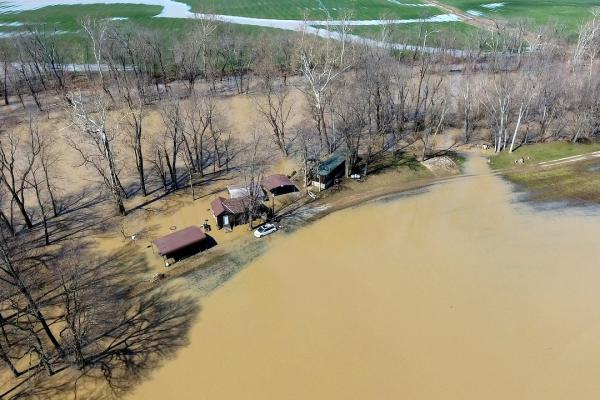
127 60
200 117
135 115
497 100
321 63
18 271
352 110
28 72
17 160
254 166
81 316
276 106
94 140
36 184
97 32
549 105
429 102
188 58
173 119
584 117
4 56
157 160
435 118
588 42
527 91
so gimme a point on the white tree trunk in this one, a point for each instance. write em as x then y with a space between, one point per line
512 143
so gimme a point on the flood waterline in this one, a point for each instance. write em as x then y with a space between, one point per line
455 293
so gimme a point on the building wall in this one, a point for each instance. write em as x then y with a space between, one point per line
234 219
328 180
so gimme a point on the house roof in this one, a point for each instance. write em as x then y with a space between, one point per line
239 191
276 181
328 165
179 240
217 206
222 206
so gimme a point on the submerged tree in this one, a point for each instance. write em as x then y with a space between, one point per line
275 107
94 141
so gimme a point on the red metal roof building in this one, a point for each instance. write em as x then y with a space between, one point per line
278 184
230 211
180 243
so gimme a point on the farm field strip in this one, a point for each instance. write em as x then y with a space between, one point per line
310 16
271 9
170 9
568 13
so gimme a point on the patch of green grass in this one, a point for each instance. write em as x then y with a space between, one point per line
455 33
68 18
275 9
536 153
568 13
399 161
172 30
313 9
575 183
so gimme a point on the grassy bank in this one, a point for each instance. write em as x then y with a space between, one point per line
536 153
577 183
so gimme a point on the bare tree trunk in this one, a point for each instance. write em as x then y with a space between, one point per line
36 188
512 143
5 85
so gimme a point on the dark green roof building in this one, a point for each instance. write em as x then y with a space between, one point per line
329 169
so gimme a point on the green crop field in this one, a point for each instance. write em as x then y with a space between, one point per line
273 9
315 9
409 33
66 18
567 12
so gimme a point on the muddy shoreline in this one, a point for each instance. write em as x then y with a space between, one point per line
210 270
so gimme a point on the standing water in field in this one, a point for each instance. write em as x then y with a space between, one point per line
457 293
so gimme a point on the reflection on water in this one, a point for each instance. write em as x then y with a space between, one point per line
456 293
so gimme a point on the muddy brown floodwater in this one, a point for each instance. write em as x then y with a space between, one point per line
456 293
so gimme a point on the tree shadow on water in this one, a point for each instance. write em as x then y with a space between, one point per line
113 337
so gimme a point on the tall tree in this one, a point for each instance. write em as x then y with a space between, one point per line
275 106
94 141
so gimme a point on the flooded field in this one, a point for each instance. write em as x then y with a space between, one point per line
455 293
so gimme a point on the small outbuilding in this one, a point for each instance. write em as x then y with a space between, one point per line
278 184
230 212
328 170
182 243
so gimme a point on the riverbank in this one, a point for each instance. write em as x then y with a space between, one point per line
210 269
560 172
